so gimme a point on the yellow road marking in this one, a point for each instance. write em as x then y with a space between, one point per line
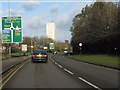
13 74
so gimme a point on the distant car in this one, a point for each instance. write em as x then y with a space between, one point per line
55 52
66 52
39 56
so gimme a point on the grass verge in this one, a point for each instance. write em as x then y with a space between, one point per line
104 60
20 54
6 56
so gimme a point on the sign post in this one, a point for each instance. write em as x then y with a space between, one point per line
24 48
11 29
51 46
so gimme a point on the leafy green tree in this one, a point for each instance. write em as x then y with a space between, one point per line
94 23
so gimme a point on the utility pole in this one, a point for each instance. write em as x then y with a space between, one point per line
9 45
55 38
31 46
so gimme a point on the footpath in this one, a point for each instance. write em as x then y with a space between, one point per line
7 64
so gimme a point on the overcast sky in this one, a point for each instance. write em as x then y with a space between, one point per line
36 13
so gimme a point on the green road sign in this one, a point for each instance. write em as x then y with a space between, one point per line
6 35
51 45
11 29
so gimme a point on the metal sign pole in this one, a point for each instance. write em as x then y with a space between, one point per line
19 49
31 46
9 50
9 45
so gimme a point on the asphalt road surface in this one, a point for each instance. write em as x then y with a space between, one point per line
101 76
61 72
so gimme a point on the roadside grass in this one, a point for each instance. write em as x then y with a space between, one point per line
20 54
6 56
105 60
16 54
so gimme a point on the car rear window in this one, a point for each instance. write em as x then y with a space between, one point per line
39 52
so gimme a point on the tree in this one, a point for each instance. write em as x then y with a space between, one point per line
95 22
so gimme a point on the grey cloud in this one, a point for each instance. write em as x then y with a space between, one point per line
36 23
63 35
54 9
13 12
64 21
29 6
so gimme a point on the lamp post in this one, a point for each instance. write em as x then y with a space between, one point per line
31 46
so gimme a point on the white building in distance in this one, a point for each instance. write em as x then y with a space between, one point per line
50 30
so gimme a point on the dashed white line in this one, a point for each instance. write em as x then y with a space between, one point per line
89 83
68 71
52 59
60 66
78 77
56 63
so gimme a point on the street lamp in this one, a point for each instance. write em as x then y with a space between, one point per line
80 44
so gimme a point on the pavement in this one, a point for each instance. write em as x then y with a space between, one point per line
8 63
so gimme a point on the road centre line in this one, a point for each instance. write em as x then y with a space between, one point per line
52 59
79 77
68 71
89 83
56 63
60 66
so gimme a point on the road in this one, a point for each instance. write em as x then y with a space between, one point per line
101 76
61 72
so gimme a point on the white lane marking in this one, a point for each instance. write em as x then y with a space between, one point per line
68 71
89 83
78 77
60 66
56 63
52 59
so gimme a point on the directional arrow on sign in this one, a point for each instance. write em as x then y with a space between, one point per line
12 28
